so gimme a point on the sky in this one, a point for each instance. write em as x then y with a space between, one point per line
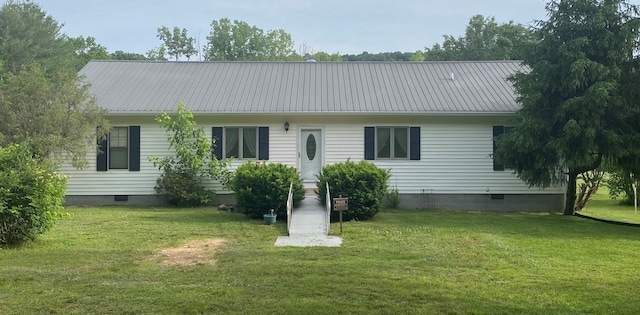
332 26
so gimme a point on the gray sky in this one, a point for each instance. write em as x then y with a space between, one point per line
345 26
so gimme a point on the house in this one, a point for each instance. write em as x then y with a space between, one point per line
431 123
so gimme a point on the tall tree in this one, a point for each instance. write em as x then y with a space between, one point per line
624 171
574 114
88 49
178 43
42 99
484 39
417 56
28 34
238 40
57 115
278 45
157 53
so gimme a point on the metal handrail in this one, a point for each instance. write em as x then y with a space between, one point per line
289 208
328 208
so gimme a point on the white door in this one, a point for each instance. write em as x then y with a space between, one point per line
310 154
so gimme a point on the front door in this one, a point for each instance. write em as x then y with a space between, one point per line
310 154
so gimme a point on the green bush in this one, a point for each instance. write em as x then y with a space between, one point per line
31 195
183 189
620 185
261 187
363 183
185 172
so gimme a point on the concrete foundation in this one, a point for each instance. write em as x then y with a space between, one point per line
484 202
133 200
474 202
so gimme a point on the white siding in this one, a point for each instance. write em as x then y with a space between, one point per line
455 158
153 141
455 154
343 142
283 146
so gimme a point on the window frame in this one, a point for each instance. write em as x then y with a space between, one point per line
241 140
121 148
415 143
133 150
392 143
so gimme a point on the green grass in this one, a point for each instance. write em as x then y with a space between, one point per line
600 206
98 261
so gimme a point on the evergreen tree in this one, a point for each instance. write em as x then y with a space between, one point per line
574 114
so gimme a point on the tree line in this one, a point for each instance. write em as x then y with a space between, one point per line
484 39
236 40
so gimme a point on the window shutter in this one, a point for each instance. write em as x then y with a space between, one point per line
414 143
134 148
369 143
263 143
101 157
497 131
216 134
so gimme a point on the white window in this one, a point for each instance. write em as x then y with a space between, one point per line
119 148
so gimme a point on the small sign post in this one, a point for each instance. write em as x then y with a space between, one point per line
340 204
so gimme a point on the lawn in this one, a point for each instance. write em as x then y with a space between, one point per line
600 206
108 261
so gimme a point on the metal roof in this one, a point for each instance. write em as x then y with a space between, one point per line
304 87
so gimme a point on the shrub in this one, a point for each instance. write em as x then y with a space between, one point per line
261 187
31 195
184 174
393 198
620 185
183 189
363 183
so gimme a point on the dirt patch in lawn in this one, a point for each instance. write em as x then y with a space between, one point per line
195 252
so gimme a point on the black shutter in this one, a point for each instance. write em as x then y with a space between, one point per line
497 131
414 143
369 143
216 134
134 148
101 158
263 143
